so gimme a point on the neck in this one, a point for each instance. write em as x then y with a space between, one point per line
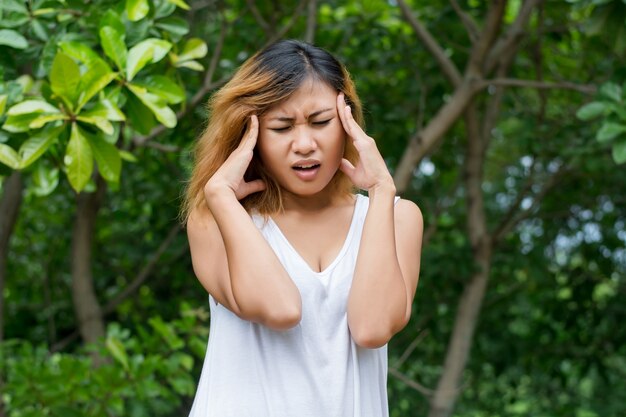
313 203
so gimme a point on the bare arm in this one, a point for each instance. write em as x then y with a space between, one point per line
231 258
387 267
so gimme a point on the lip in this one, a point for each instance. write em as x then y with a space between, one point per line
308 174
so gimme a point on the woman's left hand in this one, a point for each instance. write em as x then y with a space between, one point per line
370 172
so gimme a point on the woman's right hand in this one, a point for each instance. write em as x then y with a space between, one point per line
229 177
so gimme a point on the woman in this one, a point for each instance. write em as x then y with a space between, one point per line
307 280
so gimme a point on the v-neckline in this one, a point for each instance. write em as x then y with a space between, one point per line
339 255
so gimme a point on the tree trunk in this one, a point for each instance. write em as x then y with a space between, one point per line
86 306
448 387
9 209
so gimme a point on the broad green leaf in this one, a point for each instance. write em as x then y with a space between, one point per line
25 81
179 3
78 159
3 103
64 78
32 106
102 123
114 47
611 91
192 65
137 9
591 110
93 81
45 179
146 52
139 116
9 157
112 19
84 54
175 25
163 87
194 48
13 6
41 120
39 30
105 109
167 333
127 156
20 122
609 131
156 105
41 12
107 157
37 145
117 349
619 151
12 39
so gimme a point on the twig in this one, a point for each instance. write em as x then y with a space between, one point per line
468 22
411 383
513 82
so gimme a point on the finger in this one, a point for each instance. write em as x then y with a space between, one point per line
355 129
253 187
249 138
341 109
347 168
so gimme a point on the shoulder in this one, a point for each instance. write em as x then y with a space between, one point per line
408 215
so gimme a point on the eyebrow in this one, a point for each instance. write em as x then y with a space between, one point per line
291 119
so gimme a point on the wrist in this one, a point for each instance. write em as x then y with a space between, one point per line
384 188
216 193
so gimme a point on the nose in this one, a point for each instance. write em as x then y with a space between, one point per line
304 141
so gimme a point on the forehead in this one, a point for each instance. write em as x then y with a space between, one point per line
311 96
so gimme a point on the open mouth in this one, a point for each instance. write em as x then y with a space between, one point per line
306 167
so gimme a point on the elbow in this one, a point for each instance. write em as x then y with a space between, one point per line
284 319
370 338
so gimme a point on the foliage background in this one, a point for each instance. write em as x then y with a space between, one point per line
550 339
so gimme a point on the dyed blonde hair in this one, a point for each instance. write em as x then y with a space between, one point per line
266 79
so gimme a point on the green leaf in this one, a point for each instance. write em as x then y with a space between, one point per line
156 105
113 45
78 159
148 51
105 109
117 349
39 30
84 54
107 157
9 157
3 103
37 145
112 19
611 91
64 78
609 131
20 122
127 156
32 106
41 120
97 76
102 123
175 25
192 65
166 331
591 110
619 152
45 179
138 115
137 9
179 3
163 87
12 39
194 48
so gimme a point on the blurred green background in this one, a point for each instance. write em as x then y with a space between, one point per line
505 121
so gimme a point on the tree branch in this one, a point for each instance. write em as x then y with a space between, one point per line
447 66
513 82
411 383
296 13
468 22
311 22
269 32
493 22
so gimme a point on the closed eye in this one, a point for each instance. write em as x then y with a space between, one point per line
321 122
280 129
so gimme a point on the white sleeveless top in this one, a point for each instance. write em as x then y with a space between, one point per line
312 370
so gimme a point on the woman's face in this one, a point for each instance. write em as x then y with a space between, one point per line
301 141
